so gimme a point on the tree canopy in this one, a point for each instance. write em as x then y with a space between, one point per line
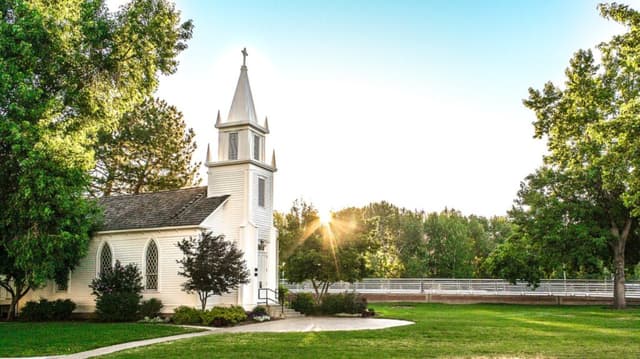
384 241
212 266
68 69
580 210
149 150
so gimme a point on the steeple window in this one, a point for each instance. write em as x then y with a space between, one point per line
256 147
261 191
233 146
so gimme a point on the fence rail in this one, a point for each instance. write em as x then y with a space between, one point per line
555 287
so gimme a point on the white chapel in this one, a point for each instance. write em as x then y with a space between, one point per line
236 202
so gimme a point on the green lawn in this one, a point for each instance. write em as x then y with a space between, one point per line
31 339
440 331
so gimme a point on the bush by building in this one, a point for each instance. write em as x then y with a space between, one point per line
45 310
150 308
117 292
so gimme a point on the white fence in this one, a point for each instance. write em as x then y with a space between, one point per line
559 287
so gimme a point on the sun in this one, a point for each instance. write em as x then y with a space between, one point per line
325 217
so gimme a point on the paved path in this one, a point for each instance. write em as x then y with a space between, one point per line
302 324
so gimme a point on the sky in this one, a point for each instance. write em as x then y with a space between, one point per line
418 103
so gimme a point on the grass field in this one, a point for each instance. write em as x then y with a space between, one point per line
440 331
31 339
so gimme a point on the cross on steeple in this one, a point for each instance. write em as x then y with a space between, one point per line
244 56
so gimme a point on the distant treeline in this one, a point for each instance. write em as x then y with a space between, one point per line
404 243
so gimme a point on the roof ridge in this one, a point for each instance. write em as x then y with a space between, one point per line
156 192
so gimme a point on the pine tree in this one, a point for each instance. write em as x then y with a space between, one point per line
149 150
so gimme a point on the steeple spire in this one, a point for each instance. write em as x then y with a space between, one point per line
242 107
209 158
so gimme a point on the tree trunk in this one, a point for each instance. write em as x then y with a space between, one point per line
203 300
15 299
13 308
619 300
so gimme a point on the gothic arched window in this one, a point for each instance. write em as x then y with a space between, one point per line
106 259
151 259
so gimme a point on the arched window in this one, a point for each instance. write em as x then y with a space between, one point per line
152 266
106 258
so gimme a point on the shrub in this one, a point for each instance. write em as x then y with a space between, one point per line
259 310
62 309
117 307
45 310
351 303
186 315
223 316
303 303
117 293
150 308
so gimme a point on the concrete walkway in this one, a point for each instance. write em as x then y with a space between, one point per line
302 324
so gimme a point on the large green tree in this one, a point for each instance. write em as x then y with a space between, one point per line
68 69
592 129
149 150
330 252
449 244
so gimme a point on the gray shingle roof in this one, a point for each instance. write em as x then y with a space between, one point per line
183 207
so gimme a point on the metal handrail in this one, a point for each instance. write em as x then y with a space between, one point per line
569 287
266 298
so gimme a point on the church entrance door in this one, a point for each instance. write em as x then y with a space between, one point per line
262 269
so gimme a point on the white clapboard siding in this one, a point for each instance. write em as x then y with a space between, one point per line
130 248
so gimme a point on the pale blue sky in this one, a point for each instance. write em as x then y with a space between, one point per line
415 102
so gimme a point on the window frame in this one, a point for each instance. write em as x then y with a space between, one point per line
146 266
233 150
99 261
257 143
262 191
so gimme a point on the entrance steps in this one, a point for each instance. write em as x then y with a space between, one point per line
277 312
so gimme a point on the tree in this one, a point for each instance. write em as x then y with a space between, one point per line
547 213
329 253
149 150
67 70
593 137
212 266
293 226
382 222
449 244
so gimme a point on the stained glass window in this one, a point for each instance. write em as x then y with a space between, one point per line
152 266
106 259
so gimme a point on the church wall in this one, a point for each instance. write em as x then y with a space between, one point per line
130 248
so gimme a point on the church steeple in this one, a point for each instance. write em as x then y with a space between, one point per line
241 137
243 110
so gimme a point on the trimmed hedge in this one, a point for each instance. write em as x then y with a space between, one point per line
45 310
348 302
303 303
351 303
150 308
216 316
223 316
186 315
117 307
